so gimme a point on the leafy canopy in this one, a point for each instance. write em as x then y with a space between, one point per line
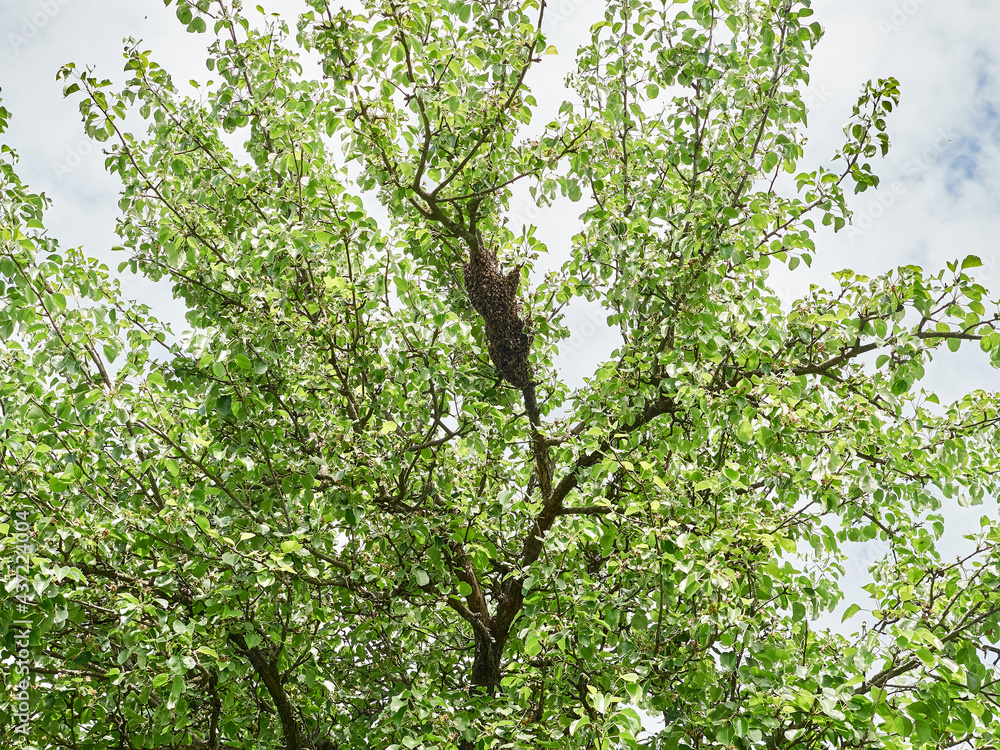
358 506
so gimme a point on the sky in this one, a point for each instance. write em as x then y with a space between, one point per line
939 199
936 201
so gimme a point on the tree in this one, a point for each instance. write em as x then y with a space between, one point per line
358 506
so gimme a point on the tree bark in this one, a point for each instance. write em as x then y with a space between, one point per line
486 665
486 672
267 672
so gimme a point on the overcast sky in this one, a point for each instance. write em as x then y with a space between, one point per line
938 200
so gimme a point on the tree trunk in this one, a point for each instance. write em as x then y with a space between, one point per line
267 672
488 660
486 673
486 665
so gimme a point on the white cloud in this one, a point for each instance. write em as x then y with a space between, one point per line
938 200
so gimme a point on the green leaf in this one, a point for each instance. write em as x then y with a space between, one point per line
744 433
176 690
850 612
